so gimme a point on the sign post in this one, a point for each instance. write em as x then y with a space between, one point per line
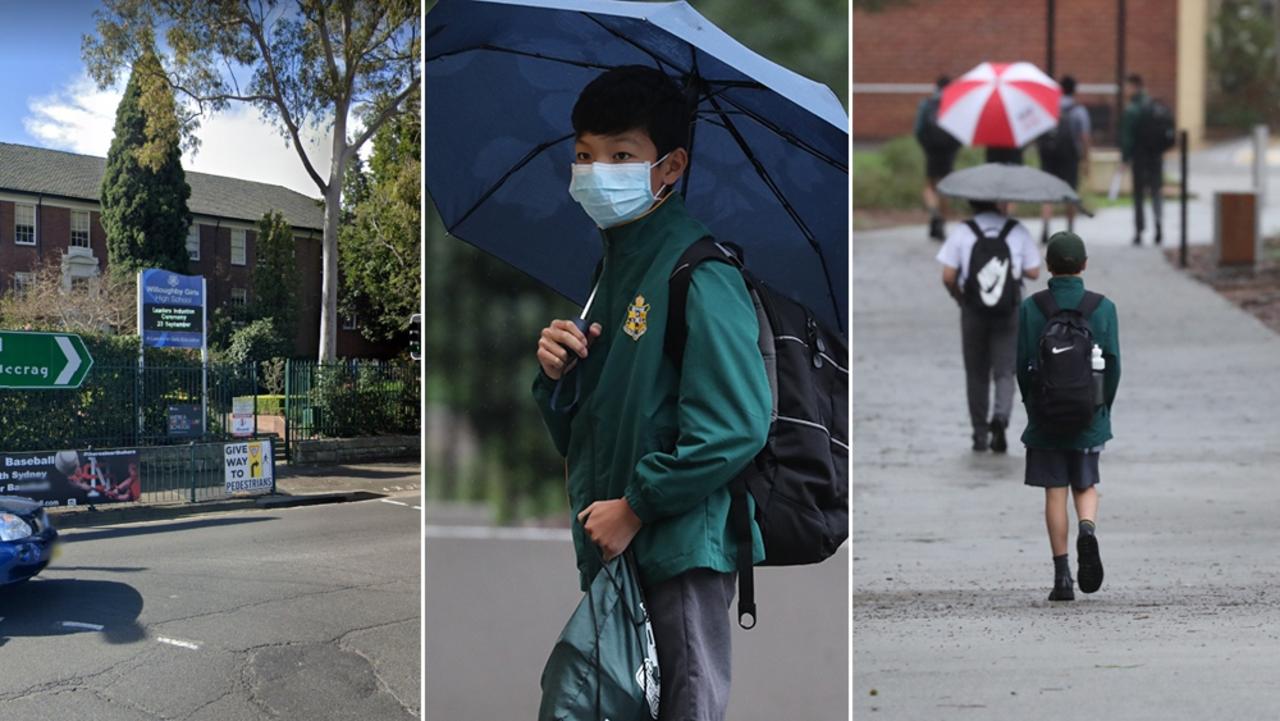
172 313
42 360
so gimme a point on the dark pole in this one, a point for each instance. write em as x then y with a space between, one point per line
1182 158
1048 43
1120 22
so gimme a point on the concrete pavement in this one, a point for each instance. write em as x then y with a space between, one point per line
497 598
951 563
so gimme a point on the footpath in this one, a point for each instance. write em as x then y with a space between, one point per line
951 565
295 486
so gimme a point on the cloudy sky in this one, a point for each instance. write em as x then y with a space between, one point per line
52 103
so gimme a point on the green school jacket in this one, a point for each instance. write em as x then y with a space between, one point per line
1068 291
667 441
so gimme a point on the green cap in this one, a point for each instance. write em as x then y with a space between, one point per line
1065 252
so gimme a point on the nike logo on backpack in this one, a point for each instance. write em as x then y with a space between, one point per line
1056 351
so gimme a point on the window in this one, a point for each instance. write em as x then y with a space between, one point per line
350 322
239 296
24 224
193 242
237 247
22 282
79 229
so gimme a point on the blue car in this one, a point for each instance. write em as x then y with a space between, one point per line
26 539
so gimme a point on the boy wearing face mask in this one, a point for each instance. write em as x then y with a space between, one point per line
651 448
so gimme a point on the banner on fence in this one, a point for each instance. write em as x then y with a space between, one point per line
248 466
72 478
171 309
186 420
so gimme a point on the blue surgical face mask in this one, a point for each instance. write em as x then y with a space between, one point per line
613 193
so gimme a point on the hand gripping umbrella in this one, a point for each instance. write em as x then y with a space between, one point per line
768 148
1000 105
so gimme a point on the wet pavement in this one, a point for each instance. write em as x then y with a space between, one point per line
951 564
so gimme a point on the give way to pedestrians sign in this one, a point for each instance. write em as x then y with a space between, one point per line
42 360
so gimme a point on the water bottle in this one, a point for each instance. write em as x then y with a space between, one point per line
1099 365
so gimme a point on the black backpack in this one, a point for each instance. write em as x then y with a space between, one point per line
1156 131
991 286
800 480
1058 147
1063 399
932 137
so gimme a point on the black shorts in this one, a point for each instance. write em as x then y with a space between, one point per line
1068 171
939 165
1053 468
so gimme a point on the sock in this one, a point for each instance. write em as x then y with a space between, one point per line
1087 527
1060 567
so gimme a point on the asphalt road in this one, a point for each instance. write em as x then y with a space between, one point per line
292 613
951 564
496 599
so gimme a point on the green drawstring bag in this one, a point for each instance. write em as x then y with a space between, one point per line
604 666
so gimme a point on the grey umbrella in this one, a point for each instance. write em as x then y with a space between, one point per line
1008 184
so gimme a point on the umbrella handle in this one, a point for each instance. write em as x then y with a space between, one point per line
581 325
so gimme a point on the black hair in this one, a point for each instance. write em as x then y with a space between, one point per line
983 206
634 97
1134 79
1068 84
942 81
1063 266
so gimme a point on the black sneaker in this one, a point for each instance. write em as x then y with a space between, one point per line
1090 569
980 444
937 230
998 442
1137 240
1159 235
1062 589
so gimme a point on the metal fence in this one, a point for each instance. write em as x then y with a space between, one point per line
192 472
344 400
121 406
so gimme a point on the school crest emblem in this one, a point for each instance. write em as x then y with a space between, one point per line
637 318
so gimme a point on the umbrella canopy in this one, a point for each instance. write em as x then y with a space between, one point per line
1000 105
768 157
1007 184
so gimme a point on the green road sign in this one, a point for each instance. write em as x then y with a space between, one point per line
42 360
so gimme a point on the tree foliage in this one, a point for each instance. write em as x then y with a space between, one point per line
379 245
344 65
1242 60
144 189
276 279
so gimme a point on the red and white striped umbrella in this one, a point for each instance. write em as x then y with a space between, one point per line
1000 105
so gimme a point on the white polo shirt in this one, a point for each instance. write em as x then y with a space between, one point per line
957 248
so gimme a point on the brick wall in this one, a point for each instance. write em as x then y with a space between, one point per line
917 42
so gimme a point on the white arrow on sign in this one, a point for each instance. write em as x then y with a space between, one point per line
73 360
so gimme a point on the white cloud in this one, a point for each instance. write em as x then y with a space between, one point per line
236 142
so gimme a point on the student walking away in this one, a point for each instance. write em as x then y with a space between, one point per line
1064 150
983 264
1147 130
1068 373
940 149
624 409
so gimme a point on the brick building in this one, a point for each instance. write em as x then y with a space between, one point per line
49 213
898 52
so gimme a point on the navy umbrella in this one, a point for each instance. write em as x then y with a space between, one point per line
769 148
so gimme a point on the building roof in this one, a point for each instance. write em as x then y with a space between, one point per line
26 169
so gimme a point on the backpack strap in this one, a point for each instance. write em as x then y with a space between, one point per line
1047 304
705 248
1009 225
977 232
1089 303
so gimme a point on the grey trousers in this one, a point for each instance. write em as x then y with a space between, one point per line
990 352
1148 179
690 617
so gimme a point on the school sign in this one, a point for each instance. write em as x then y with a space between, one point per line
36 361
